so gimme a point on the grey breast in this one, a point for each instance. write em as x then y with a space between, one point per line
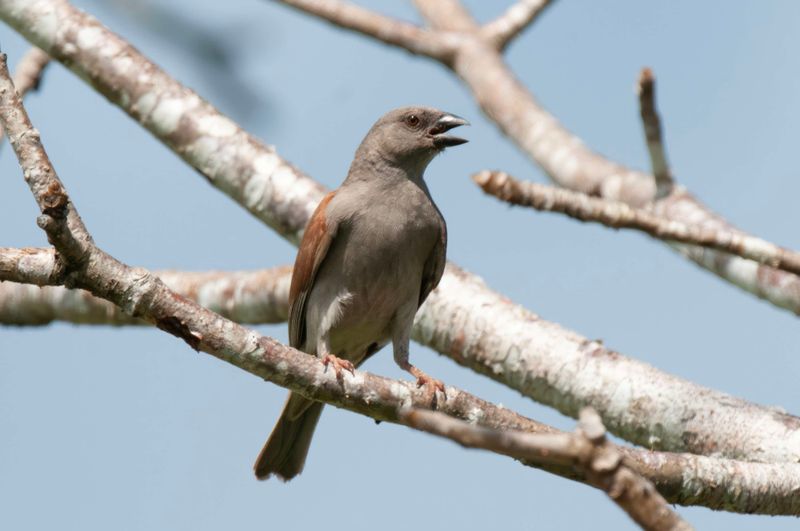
385 234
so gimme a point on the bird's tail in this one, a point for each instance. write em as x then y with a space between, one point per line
285 452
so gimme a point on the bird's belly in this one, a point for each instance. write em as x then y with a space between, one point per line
372 273
370 306
359 303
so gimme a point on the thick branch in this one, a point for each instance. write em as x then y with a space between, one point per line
646 88
391 31
600 461
619 215
143 295
488 333
30 266
252 297
463 319
502 30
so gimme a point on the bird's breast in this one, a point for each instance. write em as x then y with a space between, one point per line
395 235
377 260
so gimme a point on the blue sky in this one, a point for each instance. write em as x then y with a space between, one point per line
129 429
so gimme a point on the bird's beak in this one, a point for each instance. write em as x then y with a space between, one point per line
443 125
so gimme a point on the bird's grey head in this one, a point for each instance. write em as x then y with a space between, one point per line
410 137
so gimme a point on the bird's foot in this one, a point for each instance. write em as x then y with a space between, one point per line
339 365
431 385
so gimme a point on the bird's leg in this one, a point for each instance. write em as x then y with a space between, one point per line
400 346
339 365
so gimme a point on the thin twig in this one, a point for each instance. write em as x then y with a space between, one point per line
28 74
599 460
619 215
386 29
646 89
29 71
502 30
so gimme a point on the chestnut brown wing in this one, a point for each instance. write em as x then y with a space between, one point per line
313 248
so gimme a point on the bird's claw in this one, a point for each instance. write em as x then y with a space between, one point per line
432 385
339 365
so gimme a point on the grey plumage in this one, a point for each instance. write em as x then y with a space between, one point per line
371 254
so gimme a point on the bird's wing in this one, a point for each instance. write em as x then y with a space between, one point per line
434 265
317 239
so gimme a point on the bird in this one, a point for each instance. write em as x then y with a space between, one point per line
371 253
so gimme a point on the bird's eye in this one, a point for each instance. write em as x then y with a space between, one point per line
412 120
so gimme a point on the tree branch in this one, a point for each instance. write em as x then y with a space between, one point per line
29 73
416 40
486 332
30 266
600 461
463 319
252 297
30 69
142 294
446 15
619 215
502 30
646 88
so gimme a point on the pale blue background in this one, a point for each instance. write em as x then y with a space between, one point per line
128 429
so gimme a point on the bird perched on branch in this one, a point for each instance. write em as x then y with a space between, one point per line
371 253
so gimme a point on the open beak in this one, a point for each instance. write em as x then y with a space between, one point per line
443 125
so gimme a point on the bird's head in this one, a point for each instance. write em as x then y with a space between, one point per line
412 136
